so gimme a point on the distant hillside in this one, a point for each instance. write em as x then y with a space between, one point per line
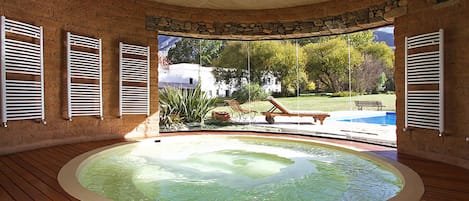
166 42
388 38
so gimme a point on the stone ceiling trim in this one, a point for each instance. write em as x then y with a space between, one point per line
372 17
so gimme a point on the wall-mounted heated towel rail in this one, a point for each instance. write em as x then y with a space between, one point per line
84 79
134 79
424 74
22 71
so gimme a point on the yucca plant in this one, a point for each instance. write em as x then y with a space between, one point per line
191 105
170 119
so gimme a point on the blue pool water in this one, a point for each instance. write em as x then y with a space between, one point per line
388 119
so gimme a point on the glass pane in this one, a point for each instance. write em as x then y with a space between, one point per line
321 75
230 74
179 81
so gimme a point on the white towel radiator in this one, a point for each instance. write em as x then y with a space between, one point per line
22 71
424 106
134 79
84 78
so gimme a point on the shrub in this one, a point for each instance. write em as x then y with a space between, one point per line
190 105
170 119
310 86
390 84
381 83
257 93
344 94
289 92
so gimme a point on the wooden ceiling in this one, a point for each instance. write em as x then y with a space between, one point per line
240 4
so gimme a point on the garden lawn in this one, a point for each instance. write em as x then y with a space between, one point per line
321 103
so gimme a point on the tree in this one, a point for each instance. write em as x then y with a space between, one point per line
234 60
304 41
232 64
381 82
266 57
366 74
327 62
184 51
163 61
359 40
310 86
189 50
209 51
378 60
284 67
381 52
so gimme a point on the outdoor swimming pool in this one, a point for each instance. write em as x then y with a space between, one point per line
235 168
388 119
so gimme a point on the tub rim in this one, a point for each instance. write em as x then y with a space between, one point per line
412 188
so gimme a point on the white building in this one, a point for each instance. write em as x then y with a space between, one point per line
186 76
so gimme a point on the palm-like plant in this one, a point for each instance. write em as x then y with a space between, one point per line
170 119
190 105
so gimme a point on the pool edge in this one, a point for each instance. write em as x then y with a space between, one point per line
413 187
68 180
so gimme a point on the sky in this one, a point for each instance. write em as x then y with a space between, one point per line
389 29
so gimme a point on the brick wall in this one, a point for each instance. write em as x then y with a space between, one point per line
112 21
426 16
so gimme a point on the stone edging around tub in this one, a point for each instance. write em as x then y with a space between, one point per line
413 187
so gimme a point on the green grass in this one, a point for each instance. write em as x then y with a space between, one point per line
322 103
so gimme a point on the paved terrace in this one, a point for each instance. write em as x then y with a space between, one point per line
332 127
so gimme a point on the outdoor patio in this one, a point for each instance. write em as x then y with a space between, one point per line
333 127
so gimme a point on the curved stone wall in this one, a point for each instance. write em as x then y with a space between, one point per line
111 20
138 22
328 18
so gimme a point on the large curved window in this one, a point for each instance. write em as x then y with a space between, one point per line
337 86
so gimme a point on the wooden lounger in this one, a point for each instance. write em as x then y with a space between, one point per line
283 111
236 107
234 104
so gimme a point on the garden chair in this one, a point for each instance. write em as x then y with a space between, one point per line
283 111
243 113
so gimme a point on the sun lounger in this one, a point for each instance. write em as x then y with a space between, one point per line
236 107
283 111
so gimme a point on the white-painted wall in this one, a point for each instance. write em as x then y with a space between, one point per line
186 76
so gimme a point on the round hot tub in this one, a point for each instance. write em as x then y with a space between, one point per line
217 167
